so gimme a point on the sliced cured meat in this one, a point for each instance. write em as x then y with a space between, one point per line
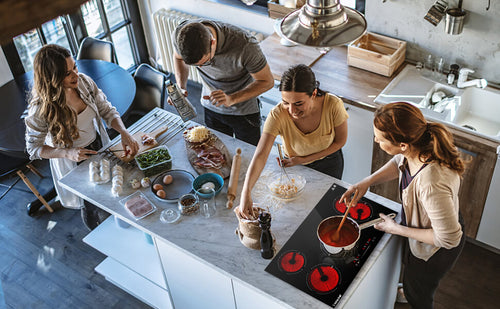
138 206
209 157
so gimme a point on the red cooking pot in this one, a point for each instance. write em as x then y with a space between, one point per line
349 233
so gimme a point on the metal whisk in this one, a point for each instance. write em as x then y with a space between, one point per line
283 170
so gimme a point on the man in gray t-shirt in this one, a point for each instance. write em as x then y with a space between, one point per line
234 72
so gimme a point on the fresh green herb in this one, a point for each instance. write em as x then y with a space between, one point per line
154 161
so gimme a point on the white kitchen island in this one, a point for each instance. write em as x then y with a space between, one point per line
200 263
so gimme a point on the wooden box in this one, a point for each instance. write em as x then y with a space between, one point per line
277 11
376 53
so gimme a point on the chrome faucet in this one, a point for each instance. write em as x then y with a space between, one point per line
462 81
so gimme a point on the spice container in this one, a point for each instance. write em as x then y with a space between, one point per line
154 161
188 204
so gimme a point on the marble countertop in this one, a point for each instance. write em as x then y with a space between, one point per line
213 241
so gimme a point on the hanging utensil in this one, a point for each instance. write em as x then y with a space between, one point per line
436 12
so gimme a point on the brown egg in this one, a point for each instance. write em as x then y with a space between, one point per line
157 187
161 194
168 179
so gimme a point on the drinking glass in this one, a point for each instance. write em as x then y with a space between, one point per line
208 204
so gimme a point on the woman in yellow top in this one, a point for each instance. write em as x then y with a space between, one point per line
312 124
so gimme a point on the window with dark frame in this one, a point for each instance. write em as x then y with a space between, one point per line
117 21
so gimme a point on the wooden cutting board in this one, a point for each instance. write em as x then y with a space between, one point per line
138 137
224 171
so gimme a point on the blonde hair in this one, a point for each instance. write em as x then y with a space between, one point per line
49 73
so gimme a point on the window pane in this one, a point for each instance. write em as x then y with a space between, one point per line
27 45
92 18
114 12
123 48
54 33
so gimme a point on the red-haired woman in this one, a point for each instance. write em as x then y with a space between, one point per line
429 168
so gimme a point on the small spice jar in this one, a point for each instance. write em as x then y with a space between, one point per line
188 204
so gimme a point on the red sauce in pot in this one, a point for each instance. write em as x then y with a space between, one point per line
348 234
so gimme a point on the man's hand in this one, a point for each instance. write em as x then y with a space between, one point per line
184 92
218 98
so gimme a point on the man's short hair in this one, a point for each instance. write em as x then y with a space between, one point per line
193 41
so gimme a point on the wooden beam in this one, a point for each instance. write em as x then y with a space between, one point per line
20 16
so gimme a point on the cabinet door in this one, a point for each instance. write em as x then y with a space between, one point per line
475 181
193 284
358 148
248 298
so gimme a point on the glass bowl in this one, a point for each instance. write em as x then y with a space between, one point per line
282 189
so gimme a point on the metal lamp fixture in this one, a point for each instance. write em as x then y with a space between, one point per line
323 23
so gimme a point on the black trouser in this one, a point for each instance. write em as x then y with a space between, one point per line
421 278
332 165
245 128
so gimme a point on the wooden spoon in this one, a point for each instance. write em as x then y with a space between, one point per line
336 235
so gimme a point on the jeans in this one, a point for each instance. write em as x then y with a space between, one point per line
332 165
245 128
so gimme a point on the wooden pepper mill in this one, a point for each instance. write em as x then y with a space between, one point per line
266 240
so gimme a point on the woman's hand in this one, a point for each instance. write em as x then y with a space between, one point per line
129 144
289 162
388 225
79 154
246 207
362 188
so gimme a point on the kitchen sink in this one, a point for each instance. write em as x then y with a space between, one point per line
480 110
473 109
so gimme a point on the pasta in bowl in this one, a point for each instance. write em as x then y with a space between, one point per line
285 189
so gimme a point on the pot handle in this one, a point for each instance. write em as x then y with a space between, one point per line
373 222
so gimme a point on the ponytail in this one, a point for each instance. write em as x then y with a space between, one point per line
404 123
443 149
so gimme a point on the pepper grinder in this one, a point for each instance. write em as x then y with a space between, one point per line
266 240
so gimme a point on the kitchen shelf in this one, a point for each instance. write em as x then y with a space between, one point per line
129 247
134 284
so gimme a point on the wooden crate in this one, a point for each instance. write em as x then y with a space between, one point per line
376 53
276 10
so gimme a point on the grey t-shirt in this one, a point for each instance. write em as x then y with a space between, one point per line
236 56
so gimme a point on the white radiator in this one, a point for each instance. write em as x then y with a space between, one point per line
165 23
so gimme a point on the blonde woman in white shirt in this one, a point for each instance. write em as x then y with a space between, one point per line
64 122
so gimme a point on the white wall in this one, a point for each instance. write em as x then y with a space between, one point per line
233 15
5 74
477 47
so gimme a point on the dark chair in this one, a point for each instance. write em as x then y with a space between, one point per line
150 92
92 48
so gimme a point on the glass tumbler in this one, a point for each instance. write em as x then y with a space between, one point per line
208 205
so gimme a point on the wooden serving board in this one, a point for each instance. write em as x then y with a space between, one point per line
138 137
224 171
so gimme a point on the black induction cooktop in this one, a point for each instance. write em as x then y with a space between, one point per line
304 263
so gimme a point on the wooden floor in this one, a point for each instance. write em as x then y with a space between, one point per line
43 261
